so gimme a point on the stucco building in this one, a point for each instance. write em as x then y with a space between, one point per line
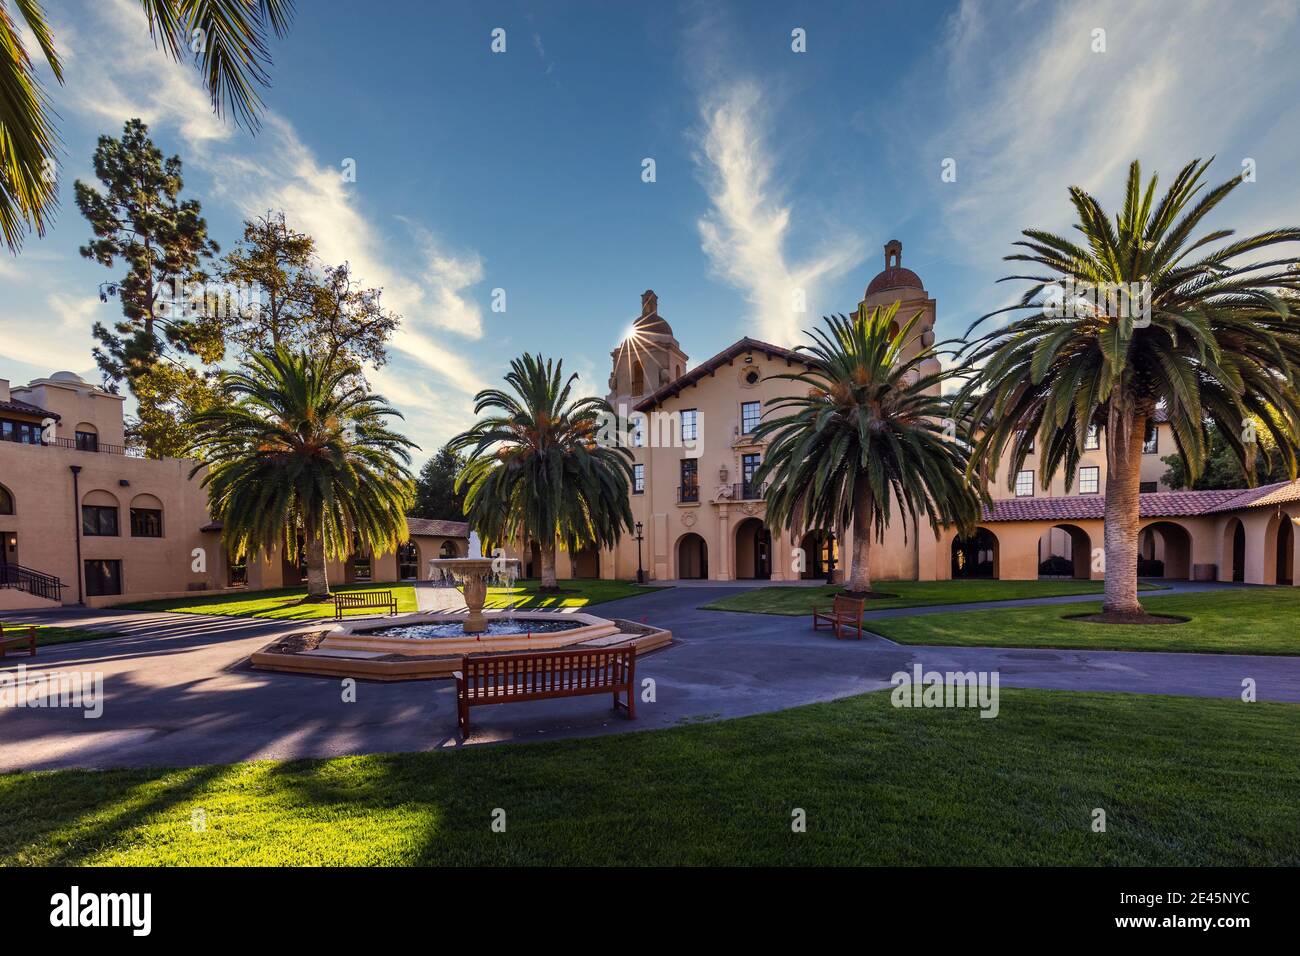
701 515
82 519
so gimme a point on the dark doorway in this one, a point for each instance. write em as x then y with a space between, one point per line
692 557
975 556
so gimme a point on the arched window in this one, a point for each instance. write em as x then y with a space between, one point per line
146 517
6 501
638 378
86 437
448 550
99 514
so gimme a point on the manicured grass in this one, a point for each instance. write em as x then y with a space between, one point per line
1182 781
575 594
1254 621
287 603
799 601
48 634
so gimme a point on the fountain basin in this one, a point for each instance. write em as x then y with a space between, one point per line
435 634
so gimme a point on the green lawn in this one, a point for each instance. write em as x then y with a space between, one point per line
799 601
287 603
1254 621
579 593
48 634
1182 781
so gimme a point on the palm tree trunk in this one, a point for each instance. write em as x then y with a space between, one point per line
318 585
548 565
860 576
1124 437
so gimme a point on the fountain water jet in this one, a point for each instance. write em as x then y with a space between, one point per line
473 573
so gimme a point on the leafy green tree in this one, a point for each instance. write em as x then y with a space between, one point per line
436 494
1223 469
226 39
537 469
297 447
140 219
298 301
868 433
1219 345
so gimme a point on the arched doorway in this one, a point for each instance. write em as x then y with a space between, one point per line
975 556
753 550
1233 552
533 566
1065 551
692 556
1279 550
820 555
1165 551
449 549
586 563
408 561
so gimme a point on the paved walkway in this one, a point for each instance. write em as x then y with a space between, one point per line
178 689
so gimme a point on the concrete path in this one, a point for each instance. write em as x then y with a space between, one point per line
178 690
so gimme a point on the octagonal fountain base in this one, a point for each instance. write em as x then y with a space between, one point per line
420 646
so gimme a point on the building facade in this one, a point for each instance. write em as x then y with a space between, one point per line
700 515
84 520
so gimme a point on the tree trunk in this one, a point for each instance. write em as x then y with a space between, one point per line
1124 437
548 565
860 576
318 585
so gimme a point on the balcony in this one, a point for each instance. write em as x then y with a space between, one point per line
688 493
72 444
748 491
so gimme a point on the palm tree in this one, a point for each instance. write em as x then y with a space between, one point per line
537 469
871 432
228 39
1218 346
299 447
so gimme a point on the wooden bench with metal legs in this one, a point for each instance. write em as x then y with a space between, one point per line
509 678
348 600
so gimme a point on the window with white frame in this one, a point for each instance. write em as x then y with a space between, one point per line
1093 441
750 413
690 424
1025 484
638 479
1089 480
1151 443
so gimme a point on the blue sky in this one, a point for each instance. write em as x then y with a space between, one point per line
774 169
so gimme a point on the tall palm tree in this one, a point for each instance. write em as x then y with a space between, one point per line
1219 345
869 433
537 469
227 38
299 447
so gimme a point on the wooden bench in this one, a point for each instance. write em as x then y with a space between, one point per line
350 600
845 612
507 678
7 641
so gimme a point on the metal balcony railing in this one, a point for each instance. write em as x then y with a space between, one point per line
688 492
71 443
748 491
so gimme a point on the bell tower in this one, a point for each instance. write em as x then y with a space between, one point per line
648 358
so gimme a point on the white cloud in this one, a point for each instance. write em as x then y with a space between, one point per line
747 229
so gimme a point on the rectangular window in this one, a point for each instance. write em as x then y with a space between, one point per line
638 479
690 487
1151 444
636 428
103 577
749 464
146 523
1089 480
750 413
1093 441
87 441
690 424
24 433
1148 487
98 521
1024 484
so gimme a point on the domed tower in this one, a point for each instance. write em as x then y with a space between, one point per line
648 357
896 284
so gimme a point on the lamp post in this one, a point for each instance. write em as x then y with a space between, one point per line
640 572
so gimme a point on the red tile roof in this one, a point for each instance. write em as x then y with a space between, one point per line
1160 504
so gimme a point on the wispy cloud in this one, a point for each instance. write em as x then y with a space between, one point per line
747 228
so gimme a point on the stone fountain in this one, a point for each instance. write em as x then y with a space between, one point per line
473 574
